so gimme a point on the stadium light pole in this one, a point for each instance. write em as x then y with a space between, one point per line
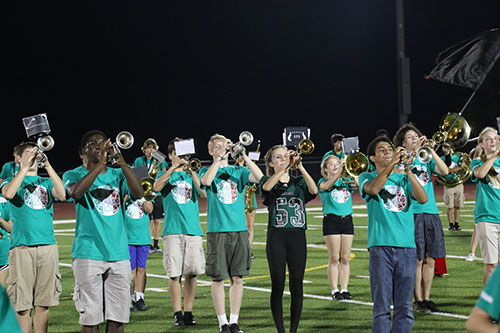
403 64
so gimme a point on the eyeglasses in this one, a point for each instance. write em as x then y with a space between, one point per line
92 144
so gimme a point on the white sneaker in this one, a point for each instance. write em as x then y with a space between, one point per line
471 257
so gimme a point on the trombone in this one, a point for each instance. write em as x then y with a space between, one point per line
193 165
305 146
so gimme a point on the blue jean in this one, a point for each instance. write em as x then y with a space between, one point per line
392 277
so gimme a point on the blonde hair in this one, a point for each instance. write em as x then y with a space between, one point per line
483 132
323 164
269 158
214 138
492 174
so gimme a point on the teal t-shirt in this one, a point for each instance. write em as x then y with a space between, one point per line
390 213
8 320
423 172
225 204
100 232
142 160
32 210
286 203
336 200
487 194
137 223
180 202
9 170
331 152
489 300
4 241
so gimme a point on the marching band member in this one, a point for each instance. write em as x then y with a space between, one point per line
338 229
34 278
100 253
149 148
485 170
5 229
139 239
429 236
183 255
388 193
9 169
453 196
286 197
487 308
337 150
226 224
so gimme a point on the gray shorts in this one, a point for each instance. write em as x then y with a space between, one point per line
102 290
183 254
228 254
429 236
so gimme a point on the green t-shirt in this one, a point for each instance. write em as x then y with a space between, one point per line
487 194
331 152
100 224
336 200
137 223
423 172
5 241
489 300
286 203
9 170
8 320
225 204
390 213
180 202
32 210
142 160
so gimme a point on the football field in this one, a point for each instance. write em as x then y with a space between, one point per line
455 294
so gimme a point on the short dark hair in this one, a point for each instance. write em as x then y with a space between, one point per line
20 148
86 136
399 137
373 145
382 132
336 137
171 145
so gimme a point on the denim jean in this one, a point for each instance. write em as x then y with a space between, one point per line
392 277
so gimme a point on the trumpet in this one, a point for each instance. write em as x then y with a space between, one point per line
124 140
305 146
44 143
245 139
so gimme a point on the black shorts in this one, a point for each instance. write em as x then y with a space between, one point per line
337 225
157 212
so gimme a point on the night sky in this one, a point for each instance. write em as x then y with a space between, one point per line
163 69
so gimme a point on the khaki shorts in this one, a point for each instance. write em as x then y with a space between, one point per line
454 196
228 254
183 254
93 278
488 235
34 278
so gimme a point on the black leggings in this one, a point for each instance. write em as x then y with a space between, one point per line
286 246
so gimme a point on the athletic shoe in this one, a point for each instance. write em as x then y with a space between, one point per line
133 307
337 296
457 227
418 306
151 249
346 295
157 250
471 257
140 305
225 329
431 306
234 328
178 319
451 227
188 319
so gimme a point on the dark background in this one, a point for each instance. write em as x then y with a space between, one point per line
194 68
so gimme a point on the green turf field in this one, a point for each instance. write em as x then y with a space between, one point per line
455 294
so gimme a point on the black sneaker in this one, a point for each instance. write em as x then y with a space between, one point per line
234 328
225 329
451 227
431 306
337 296
188 319
133 307
346 295
157 249
419 306
140 305
178 319
457 226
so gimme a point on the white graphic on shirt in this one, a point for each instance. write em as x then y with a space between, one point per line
182 192
36 197
420 171
340 195
135 210
227 191
106 200
496 184
394 198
